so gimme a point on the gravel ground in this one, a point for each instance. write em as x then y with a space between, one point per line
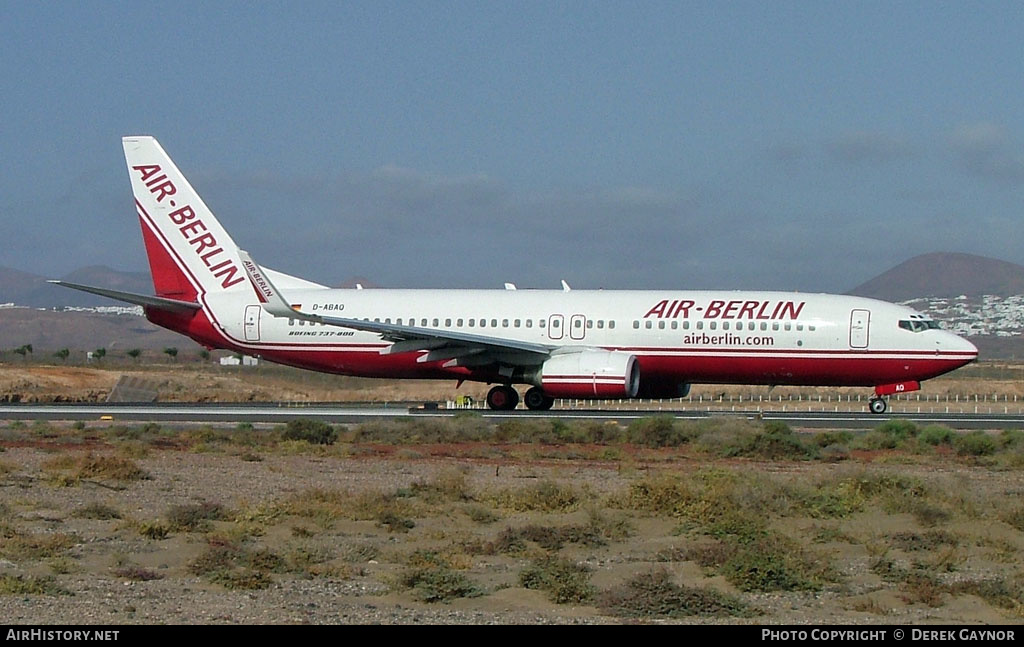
36 505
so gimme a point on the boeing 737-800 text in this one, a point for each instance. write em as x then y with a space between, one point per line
588 344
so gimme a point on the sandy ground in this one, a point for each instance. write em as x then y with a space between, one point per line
270 500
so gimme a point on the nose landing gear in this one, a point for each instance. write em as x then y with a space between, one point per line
877 405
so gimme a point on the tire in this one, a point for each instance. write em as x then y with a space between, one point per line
537 400
502 398
878 406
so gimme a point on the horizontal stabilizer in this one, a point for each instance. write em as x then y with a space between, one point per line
172 305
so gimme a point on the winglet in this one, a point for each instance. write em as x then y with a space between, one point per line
270 297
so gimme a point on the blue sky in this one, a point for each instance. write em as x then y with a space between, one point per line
784 145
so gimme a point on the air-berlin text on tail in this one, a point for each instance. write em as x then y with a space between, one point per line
720 309
220 263
263 291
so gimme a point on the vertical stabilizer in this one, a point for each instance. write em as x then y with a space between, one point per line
189 251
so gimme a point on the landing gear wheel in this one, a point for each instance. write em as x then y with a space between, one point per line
502 398
536 400
877 405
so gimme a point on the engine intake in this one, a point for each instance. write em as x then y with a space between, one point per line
591 375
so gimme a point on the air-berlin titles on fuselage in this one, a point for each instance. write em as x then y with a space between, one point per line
192 228
718 309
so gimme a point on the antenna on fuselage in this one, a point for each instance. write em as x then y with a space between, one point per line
565 286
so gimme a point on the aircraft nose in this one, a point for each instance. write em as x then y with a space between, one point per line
958 344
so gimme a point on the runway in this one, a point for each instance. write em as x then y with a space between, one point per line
270 413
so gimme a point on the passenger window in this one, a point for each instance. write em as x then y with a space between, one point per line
611 324
648 324
504 323
517 323
494 323
775 325
636 324
472 323
529 323
686 325
713 325
788 326
675 325
700 325
725 325
600 324
661 325
447 323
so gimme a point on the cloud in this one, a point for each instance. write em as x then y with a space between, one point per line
986 150
404 227
869 148
979 137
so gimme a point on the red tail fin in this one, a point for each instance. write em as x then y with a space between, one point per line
168 279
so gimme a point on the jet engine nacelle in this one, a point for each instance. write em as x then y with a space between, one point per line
662 389
591 374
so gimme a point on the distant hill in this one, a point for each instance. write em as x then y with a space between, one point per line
49 330
945 274
17 287
359 280
24 289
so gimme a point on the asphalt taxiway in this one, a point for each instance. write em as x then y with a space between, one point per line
271 413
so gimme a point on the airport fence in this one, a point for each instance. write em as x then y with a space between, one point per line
797 402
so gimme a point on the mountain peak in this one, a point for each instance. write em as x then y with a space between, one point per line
945 274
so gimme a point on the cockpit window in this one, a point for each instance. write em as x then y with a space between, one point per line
919 325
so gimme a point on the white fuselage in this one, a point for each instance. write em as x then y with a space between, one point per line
677 337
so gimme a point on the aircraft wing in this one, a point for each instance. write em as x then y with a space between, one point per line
454 346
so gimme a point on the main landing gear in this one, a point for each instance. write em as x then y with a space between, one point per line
502 398
505 398
537 400
877 405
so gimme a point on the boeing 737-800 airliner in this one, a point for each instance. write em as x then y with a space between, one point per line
588 344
